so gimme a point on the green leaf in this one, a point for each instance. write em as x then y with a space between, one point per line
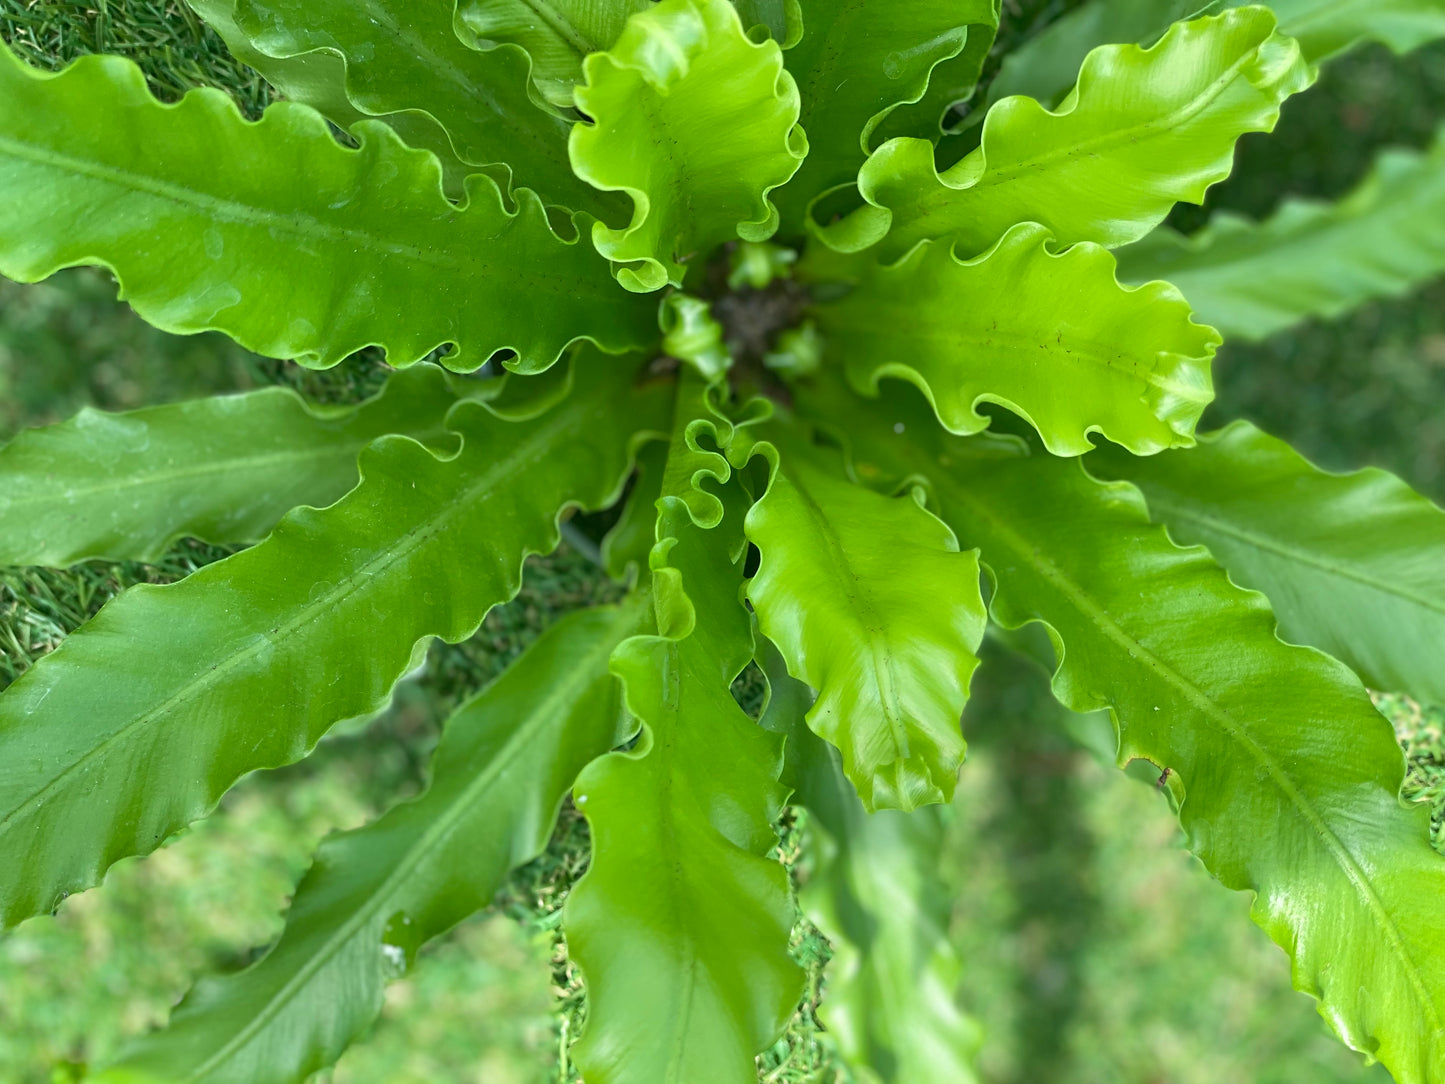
1142 130
855 62
556 34
1047 64
207 219
376 894
406 58
1328 27
1291 778
319 80
144 717
697 124
780 18
1043 67
1351 562
875 891
871 604
681 924
123 487
951 83
1049 335
1310 258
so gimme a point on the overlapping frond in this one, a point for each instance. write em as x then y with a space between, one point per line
697 124
1351 563
144 717
1050 335
277 235
1142 130
125 486
376 894
681 924
1289 778
872 604
1310 258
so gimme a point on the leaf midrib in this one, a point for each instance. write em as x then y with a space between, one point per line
1174 510
215 208
359 579
940 199
1076 595
436 832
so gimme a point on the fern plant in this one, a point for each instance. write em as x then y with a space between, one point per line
746 275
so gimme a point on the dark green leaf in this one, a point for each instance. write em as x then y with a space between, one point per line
125 486
141 720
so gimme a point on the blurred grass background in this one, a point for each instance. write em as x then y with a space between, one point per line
1096 949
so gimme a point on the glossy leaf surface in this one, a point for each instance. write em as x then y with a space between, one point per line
872 604
694 122
318 79
877 893
1049 335
1141 131
1290 777
1310 258
125 486
556 34
143 718
277 235
855 62
952 82
374 895
681 924
403 56
1327 27
1351 563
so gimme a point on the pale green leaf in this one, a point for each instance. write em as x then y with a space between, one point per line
681 924
872 605
697 124
1141 131
1049 335
274 233
125 486
1353 564
1290 779
144 717
406 58
556 34
374 895
1310 258
855 62
875 891
1327 27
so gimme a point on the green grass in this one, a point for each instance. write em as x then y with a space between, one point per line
1096 949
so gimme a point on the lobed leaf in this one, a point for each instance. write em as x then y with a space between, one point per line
697 125
681 924
871 604
855 62
1050 335
876 892
1142 130
1310 258
123 487
144 717
274 233
1350 562
1289 778
406 58
951 83
556 34
318 79
374 895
